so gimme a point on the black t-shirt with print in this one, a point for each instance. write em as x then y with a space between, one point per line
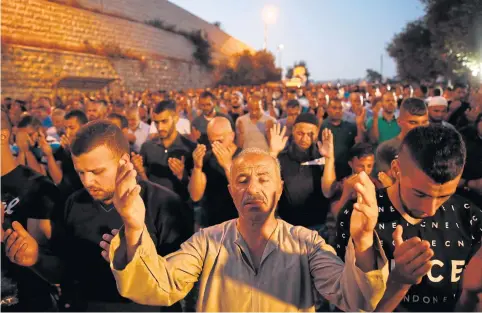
454 234
70 179
77 232
27 195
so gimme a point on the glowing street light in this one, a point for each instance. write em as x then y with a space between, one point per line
270 14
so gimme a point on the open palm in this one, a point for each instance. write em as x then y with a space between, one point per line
277 138
326 147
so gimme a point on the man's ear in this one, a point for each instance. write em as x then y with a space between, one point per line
395 167
126 157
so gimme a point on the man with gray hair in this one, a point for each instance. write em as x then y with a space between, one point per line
255 262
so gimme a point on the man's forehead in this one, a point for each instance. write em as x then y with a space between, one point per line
255 163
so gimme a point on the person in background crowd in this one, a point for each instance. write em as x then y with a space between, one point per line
209 178
435 230
100 152
237 106
27 137
95 110
293 110
458 106
200 123
28 202
383 160
345 135
137 127
59 163
253 128
230 259
302 201
384 127
471 183
361 159
167 160
57 130
413 113
437 110
121 122
41 109
355 107
118 107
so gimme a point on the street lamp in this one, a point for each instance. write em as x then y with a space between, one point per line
280 53
269 13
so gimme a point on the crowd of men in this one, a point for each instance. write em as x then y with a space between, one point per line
244 199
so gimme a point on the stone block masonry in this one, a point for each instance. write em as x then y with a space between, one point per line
43 42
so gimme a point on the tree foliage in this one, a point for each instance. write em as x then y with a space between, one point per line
247 68
446 41
373 76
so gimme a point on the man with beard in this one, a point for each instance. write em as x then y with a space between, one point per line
166 160
255 262
421 208
302 201
385 127
209 178
98 151
28 202
96 110
200 124
437 110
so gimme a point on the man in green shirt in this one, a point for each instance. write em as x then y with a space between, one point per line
384 127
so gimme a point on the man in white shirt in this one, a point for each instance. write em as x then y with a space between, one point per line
137 128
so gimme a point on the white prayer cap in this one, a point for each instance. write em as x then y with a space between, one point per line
437 101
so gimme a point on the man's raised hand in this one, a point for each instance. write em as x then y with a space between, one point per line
105 244
412 258
277 139
127 199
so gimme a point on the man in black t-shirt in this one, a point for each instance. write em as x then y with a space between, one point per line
209 176
422 201
86 281
27 198
59 164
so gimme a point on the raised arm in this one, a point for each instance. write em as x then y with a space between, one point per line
327 150
197 182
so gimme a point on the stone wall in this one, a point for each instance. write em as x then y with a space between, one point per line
45 41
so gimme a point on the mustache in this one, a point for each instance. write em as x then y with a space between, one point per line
253 198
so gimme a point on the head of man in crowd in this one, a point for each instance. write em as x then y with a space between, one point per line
255 108
420 92
291 94
220 130
293 109
165 117
73 121
389 102
96 150
335 110
361 158
428 168
133 117
41 108
118 107
413 113
58 117
460 92
305 131
356 101
255 185
437 109
120 121
31 126
96 110
207 103
236 100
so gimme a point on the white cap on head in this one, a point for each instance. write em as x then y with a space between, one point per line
437 101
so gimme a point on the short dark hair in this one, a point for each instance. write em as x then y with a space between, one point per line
293 104
99 133
385 154
437 92
207 94
360 150
165 105
437 150
29 120
424 89
119 117
414 106
459 85
77 114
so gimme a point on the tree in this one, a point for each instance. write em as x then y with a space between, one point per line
445 41
373 76
412 52
247 68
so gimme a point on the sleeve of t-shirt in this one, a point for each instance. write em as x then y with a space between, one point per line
44 200
343 229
